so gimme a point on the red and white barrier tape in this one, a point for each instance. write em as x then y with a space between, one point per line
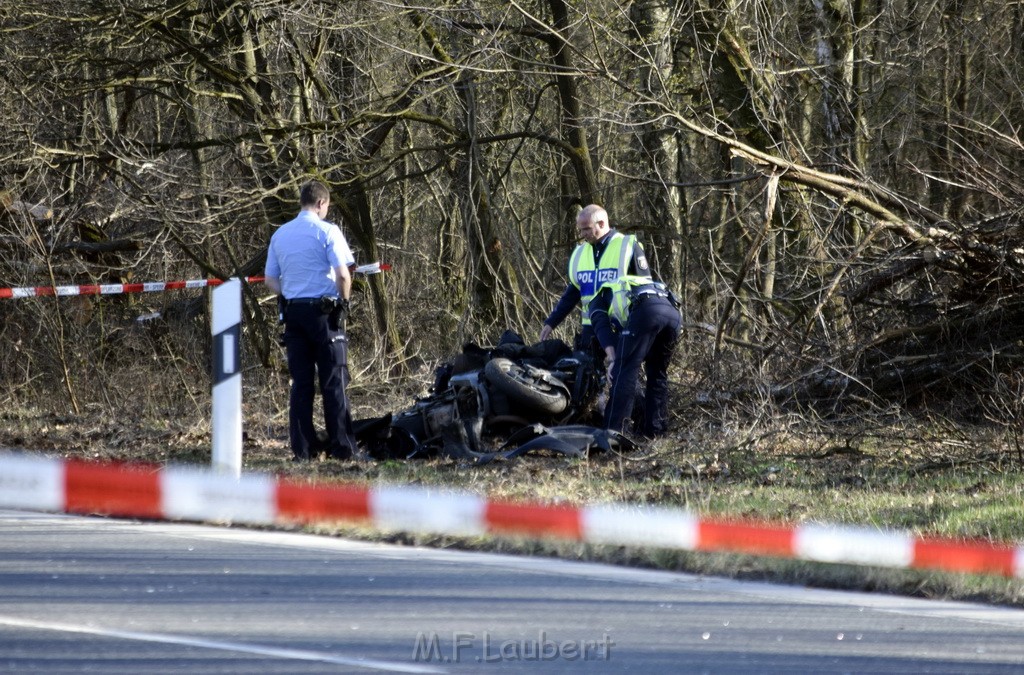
146 287
177 493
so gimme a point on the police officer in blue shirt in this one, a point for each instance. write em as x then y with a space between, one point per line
637 322
308 266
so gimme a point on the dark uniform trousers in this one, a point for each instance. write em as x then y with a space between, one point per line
314 349
649 339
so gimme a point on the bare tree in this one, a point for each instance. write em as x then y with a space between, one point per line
833 186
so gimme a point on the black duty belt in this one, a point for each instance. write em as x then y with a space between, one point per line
642 295
303 301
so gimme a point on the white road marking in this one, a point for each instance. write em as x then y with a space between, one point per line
190 641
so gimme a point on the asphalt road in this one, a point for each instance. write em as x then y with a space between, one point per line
106 596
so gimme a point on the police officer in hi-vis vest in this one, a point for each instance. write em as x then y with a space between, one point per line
637 322
604 255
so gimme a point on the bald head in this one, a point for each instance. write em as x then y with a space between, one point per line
592 223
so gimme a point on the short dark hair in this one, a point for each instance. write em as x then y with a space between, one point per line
312 192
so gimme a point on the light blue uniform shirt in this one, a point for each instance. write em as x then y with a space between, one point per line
303 254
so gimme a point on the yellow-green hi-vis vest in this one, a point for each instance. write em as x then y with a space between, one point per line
613 263
625 291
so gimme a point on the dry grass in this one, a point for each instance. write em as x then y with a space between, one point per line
891 470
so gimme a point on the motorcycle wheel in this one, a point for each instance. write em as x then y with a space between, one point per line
516 383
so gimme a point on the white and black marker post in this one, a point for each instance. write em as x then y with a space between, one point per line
226 418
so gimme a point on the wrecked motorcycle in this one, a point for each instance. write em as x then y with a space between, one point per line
531 391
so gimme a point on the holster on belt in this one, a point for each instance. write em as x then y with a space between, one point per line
336 310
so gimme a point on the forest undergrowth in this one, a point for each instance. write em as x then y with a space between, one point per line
894 468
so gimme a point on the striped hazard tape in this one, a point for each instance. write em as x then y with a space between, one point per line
145 287
178 493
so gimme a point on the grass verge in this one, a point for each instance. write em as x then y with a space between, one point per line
926 476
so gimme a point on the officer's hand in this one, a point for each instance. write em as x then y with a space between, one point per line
609 361
545 332
339 314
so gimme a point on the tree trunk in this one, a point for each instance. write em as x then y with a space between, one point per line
661 200
572 120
